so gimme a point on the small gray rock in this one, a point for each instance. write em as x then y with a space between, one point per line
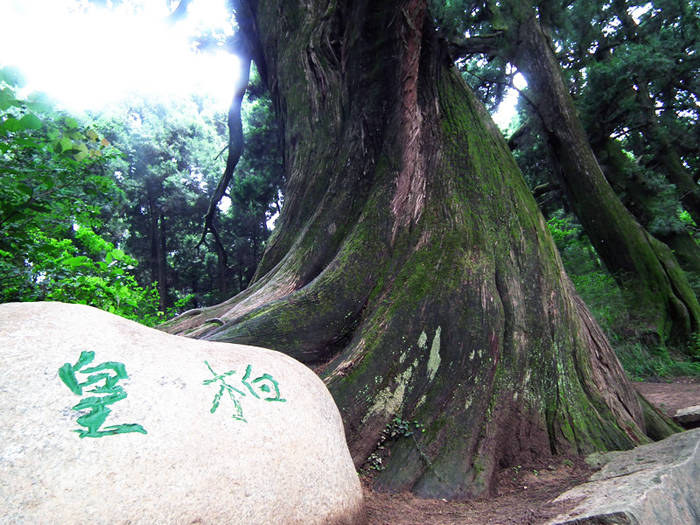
652 484
107 421
688 417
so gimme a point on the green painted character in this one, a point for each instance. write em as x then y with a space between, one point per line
225 387
265 384
263 387
110 373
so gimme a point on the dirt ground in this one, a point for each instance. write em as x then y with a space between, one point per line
524 493
668 397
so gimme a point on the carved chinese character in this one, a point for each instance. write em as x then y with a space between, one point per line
108 374
263 387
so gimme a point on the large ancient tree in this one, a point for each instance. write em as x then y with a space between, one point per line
410 261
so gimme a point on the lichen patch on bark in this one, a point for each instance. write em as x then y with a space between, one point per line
388 401
434 358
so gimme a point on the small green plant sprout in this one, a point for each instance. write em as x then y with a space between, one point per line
516 471
402 428
395 429
374 461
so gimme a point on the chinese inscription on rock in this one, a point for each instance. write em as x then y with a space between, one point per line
101 381
263 387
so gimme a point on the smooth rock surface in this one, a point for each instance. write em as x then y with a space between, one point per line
652 484
199 432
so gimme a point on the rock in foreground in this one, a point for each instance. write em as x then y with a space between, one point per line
688 417
649 485
107 421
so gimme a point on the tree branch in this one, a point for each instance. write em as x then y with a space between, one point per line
235 145
542 189
514 140
489 44
246 48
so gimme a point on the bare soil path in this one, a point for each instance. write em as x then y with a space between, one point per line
669 397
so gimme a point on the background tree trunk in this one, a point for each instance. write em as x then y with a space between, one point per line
646 269
161 254
641 201
410 262
157 261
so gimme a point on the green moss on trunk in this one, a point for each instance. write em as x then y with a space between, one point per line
661 296
431 291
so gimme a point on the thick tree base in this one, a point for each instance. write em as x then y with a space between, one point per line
412 263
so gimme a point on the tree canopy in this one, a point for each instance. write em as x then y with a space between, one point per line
54 192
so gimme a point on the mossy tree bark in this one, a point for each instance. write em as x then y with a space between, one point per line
411 263
657 289
643 201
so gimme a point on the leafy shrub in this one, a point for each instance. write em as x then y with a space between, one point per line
644 363
52 193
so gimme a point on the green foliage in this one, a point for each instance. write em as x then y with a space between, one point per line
489 79
52 192
601 293
638 77
173 157
49 170
577 252
643 363
394 430
402 428
695 345
604 298
72 205
85 269
169 165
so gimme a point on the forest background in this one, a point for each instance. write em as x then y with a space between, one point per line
107 208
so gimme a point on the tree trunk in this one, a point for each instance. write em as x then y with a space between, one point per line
153 238
157 237
646 269
161 252
643 202
410 262
222 272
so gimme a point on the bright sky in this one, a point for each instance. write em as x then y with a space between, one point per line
86 57
506 109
